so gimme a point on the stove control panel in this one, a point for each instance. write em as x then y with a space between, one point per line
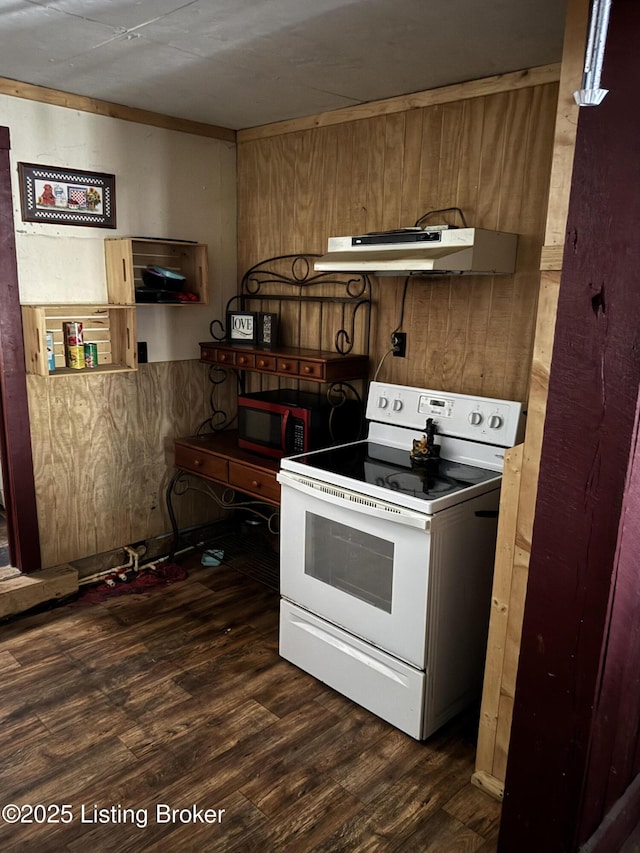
435 406
481 419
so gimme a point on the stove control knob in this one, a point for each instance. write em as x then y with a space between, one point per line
397 405
383 402
495 422
475 418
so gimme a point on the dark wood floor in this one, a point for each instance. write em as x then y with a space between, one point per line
178 696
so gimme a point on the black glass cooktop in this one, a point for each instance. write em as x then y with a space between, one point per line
391 468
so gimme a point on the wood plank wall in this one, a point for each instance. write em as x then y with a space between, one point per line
103 455
102 444
487 151
510 580
489 154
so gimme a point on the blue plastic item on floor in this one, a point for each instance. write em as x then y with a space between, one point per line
212 558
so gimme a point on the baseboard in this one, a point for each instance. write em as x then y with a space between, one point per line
105 562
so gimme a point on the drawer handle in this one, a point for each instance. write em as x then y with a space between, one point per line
285 365
255 484
197 463
261 362
223 356
306 369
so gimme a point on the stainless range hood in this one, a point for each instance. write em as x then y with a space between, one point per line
438 250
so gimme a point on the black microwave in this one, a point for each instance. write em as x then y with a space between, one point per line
285 422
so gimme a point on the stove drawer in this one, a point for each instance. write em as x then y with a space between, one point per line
377 681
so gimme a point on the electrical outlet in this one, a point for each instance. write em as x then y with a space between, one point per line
399 344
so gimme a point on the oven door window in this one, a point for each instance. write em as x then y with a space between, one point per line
350 560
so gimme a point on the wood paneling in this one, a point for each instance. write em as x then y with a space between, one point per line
489 154
103 454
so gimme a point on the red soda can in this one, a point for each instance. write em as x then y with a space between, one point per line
73 336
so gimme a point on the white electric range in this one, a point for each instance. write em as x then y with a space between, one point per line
387 562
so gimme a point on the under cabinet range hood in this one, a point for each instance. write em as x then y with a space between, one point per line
439 250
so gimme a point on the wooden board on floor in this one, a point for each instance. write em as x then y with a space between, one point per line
21 593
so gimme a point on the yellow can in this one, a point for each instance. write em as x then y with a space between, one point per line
75 357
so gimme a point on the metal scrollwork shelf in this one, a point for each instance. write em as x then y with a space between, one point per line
319 327
323 323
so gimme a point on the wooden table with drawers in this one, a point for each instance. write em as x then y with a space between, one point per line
218 458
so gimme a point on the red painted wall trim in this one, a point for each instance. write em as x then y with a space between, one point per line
17 463
574 744
613 753
621 820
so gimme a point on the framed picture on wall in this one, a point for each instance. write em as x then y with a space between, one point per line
67 196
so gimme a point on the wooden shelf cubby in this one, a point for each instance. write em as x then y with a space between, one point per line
111 327
126 257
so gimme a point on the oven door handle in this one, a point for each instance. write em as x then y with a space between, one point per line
337 496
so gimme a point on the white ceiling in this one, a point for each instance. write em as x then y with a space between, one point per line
242 63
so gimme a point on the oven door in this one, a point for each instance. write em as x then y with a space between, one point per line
359 563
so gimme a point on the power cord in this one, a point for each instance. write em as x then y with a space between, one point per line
398 328
442 210
381 362
405 287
